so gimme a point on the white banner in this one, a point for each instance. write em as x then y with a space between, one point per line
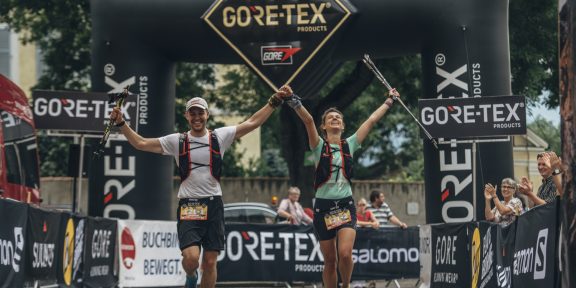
425 256
149 254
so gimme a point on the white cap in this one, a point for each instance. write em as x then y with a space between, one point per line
196 102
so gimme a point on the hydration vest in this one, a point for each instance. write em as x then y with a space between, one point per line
185 158
324 169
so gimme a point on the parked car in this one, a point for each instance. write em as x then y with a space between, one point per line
251 212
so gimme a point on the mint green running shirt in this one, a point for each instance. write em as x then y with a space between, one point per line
337 187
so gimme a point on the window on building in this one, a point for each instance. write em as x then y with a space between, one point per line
5 56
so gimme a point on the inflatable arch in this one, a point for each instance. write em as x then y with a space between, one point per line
464 49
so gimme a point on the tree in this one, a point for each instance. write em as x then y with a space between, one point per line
61 26
534 49
547 131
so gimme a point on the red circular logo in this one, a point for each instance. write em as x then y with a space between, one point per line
127 248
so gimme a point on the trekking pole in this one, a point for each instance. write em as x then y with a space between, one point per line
366 59
117 98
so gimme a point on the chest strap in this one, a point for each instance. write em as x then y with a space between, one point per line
185 163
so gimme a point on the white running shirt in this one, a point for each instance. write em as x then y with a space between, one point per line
200 183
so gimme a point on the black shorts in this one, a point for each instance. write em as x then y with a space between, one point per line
203 227
324 207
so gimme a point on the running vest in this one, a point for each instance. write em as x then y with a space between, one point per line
185 159
324 169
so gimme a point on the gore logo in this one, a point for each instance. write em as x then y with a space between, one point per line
278 55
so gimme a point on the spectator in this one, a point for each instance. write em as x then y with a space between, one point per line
550 168
382 211
292 210
365 217
503 213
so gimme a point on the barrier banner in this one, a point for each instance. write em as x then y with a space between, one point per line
13 216
277 252
505 254
100 254
425 255
386 253
535 249
150 254
42 241
483 258
450 255
292 253
71 250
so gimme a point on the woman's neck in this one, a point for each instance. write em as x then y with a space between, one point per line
333 138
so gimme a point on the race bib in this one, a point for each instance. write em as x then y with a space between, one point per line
337 218
194 211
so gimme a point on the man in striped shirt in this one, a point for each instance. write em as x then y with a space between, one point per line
550 168
382 211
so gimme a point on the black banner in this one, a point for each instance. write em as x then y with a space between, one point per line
13 216
535 249
505 254
386 253
483 254
473 116
100 252
78 111
451 256
42 245
277 38
292 253
71 250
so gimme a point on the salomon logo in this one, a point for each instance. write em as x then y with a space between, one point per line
540 259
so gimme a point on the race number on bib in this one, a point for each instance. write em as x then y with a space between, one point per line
194 211
337 218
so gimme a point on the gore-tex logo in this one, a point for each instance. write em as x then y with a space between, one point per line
277 55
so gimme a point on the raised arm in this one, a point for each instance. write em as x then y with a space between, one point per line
503 209
137 141
258 118
375 117
302 112
488 197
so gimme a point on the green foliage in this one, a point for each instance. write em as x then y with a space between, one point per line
270 164
534 49
547 131
61 29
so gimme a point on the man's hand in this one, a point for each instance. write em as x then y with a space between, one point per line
116 115
284 92
525 186
403 225
552 160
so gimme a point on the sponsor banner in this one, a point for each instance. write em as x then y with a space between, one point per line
425 255
483 258
505 254
14 217
450 255
42 243
149 254
386 253
535 249
292 253
473 116
100 253
277 39
78 111
71 250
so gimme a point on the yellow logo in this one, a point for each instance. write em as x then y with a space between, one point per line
475 257
68 252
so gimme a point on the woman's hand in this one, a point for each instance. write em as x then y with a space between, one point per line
488 189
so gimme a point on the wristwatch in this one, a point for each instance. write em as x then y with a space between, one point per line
556 172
